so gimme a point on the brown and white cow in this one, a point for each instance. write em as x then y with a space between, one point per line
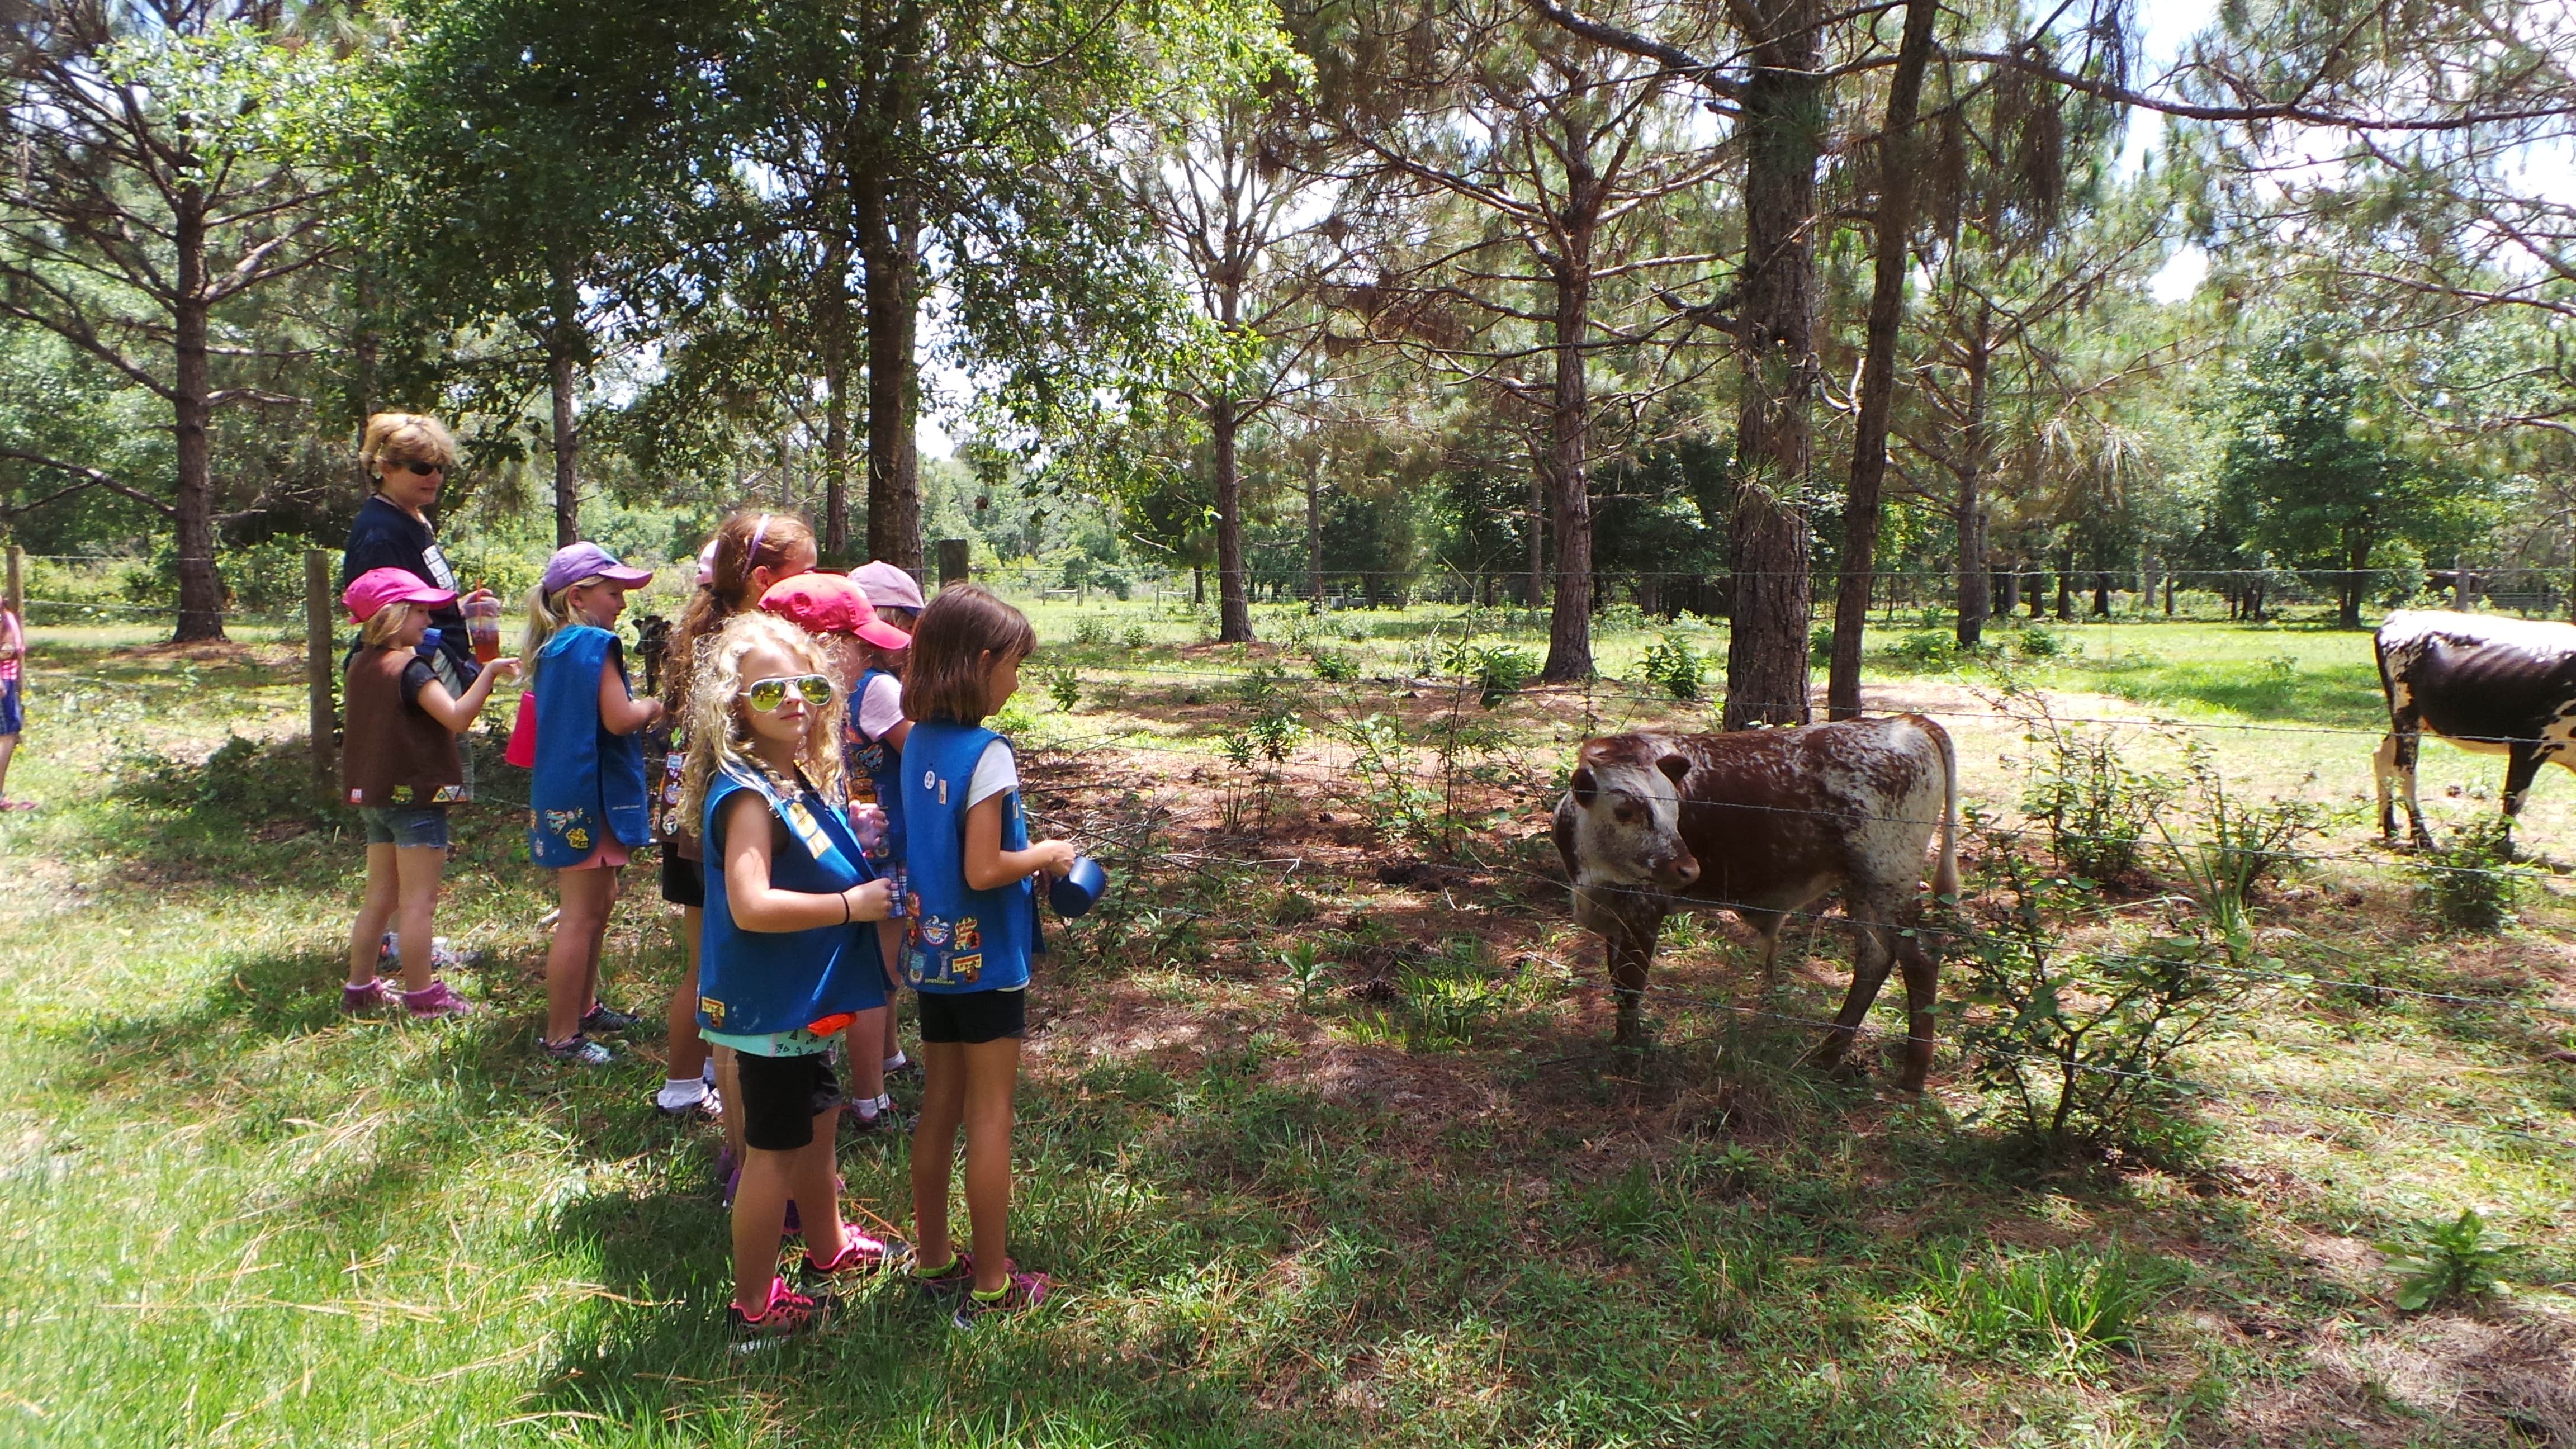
1766 823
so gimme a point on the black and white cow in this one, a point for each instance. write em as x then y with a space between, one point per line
2485 683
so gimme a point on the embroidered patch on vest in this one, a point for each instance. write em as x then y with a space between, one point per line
401 795
714 1010
969 968
970 936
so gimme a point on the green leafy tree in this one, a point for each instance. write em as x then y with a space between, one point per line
2314 469
175 163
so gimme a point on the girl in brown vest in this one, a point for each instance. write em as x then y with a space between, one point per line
400 767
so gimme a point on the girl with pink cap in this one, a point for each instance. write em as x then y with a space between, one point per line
399 765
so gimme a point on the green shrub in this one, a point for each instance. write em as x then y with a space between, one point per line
2470 880
1136 637
2079 1046
1499 670
1091 633
2455 1263
1335 666
2035 642
2072 1303
1927 649
2097 808
1673 667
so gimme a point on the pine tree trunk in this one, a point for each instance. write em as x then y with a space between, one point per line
1862 508
201 588
1315 539
894 392
563 345
835 310
1569 629
1233 602
1535 588
1783 111
1974 604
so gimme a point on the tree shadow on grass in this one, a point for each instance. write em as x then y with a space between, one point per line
2344 697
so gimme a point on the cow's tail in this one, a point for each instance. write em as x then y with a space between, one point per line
1945 877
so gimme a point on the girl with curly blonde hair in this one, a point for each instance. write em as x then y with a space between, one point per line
785 960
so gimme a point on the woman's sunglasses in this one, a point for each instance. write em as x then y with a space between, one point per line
422 469
765 695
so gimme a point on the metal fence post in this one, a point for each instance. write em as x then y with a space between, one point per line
320 719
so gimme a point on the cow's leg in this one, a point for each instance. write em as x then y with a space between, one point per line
2383 769
1628 927
2523 760
2403 745
1873 931
1766 931
1922 1000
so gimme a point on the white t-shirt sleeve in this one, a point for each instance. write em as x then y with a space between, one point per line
995 773
881 707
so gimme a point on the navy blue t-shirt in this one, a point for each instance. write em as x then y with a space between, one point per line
386 537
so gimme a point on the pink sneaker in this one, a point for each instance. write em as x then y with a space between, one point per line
436 1000
355 999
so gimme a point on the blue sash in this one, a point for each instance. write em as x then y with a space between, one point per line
956 939
588 784
880 762
756 982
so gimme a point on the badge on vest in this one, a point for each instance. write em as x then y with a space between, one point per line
572 825
713 1010
807 829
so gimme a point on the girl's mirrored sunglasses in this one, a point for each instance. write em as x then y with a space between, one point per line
765 695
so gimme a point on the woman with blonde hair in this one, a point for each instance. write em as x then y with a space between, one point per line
409 455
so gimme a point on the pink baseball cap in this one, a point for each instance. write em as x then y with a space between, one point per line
369 592
577 561
821 603
889 587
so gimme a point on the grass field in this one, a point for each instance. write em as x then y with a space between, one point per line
1289 1203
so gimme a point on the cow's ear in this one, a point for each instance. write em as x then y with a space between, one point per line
1676 766
1583 785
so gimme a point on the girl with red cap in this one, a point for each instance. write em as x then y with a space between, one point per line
399 765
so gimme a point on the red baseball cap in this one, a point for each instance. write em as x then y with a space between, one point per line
821 603
369 592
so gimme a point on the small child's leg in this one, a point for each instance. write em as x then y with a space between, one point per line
599 940
889 947
688 1049
934 1142
375 909
992 1078
759 1222
418 868
729 1085
814 1178
585 896
867 1068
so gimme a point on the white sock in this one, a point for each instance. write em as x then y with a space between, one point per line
896 1062
869 1107
679 1092
707 1073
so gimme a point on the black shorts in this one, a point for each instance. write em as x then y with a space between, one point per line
973 1017
684 881
781 1097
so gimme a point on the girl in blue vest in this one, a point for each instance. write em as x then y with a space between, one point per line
970 926
832 609
586 797
787 958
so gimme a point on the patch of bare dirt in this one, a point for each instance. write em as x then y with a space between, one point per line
2501 1379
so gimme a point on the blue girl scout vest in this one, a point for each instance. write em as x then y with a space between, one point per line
759 982
587 782
881 761
955 939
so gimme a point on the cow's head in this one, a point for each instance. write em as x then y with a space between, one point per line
1627 801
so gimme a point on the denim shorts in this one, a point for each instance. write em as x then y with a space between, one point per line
406 826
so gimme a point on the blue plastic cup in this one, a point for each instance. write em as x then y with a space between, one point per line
1079 889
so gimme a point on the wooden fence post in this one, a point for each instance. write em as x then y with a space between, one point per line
319 719
954 554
